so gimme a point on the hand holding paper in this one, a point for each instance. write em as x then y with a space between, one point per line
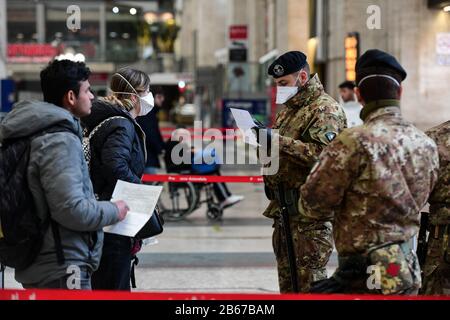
244 122
141 200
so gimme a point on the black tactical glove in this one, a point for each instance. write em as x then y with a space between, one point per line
260 130
330 285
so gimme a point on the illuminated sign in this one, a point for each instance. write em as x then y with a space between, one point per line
238 32
351 55
31 52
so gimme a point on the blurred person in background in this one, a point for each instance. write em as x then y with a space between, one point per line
351 106
154 141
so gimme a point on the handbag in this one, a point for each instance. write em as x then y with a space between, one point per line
152 228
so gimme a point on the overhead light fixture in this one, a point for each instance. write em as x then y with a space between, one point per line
133 11
447 9
150 17
181 84
166 16
79 57
115 10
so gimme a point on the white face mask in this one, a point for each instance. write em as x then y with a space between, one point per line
284 94
147 104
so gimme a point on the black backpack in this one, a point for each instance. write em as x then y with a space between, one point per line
21 230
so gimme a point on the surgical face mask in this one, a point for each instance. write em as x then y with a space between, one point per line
147 104
284 94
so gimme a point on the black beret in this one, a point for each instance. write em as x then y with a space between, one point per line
379 62
286 64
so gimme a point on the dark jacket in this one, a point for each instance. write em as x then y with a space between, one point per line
117 148
154 141
59 180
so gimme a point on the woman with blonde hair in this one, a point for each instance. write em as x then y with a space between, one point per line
117 152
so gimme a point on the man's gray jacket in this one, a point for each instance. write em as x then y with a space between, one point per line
59 181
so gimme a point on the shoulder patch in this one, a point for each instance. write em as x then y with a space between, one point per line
330 136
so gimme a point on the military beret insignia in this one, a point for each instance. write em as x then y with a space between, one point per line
330 136
278 70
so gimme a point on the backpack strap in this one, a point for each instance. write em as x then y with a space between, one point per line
58 243
86 142
94 131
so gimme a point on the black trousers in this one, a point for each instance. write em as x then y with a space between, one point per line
115 265
221 190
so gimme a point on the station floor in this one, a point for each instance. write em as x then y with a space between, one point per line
196 255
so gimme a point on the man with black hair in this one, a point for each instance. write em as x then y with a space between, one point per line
59 182
373 181
351 107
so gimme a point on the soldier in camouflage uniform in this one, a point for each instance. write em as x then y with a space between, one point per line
436 271
373 180
308 123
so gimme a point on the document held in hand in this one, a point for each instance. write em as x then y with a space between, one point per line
141 199
244 122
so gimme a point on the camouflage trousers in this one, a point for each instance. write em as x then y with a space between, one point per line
313 245
387 270
436 272
395 270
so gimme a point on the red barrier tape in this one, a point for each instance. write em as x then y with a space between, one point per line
111 295
229 137
202 179
196 129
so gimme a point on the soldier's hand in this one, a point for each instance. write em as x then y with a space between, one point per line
259 124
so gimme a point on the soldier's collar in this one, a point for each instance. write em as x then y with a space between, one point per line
308 93
379 104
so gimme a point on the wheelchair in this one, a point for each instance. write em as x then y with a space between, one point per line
180 199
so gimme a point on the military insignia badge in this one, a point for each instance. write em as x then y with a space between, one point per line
330 136
278 70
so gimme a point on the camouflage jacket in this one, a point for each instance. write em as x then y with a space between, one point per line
373 180
440 198
310 121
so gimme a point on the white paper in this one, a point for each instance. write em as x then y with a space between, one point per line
141 199
245 123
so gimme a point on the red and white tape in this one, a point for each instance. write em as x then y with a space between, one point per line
202 179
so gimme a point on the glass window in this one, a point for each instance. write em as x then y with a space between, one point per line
85 41
122 29
21 23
